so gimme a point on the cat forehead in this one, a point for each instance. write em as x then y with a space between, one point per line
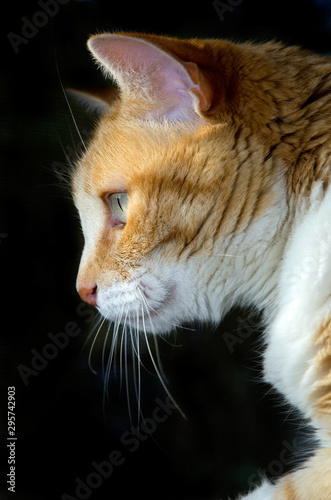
122 152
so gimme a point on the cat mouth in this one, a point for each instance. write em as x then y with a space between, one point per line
141 310
153 314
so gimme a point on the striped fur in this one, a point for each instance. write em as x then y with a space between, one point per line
224 151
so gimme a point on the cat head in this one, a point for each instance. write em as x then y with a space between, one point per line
178 197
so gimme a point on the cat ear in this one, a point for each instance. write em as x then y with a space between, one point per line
157 84
97 100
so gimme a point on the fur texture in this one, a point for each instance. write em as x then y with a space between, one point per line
224 152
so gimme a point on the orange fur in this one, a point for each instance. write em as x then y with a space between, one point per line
260 135
321 395
310 483
264 118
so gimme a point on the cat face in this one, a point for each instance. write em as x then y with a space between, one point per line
177 209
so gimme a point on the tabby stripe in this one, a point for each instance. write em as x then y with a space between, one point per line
197 233
226 203
246 212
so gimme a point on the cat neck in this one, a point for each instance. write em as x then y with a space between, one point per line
260 254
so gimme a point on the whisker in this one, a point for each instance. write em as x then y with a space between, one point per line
139 364
158 357
111 356
92 346
106 370
135 368
222 254
121 347
157 371
136 347
206 252
136 351
174 325
127 375
173 344
69 107
181 327
103 354
116 334
106 340
99 319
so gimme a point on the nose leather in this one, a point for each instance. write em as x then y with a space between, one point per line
88 293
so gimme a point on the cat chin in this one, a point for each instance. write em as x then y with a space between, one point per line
160 321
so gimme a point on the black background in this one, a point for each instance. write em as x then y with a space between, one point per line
234 429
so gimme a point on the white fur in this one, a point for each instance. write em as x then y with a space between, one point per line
264 492
304 300
153 300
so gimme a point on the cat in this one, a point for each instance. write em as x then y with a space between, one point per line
206 185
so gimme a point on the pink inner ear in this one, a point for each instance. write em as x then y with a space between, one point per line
145 72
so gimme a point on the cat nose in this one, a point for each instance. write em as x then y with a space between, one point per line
88 293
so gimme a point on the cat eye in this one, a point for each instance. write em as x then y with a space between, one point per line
118 203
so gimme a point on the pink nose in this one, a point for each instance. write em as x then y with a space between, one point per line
88 293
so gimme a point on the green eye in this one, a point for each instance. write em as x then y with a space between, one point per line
118 203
